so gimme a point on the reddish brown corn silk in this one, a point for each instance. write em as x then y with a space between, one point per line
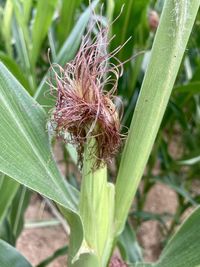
84 109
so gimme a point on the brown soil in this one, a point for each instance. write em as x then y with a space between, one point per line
37 244
161 199
117 262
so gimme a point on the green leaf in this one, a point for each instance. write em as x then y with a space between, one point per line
196 74
110 9
22 50
6 25
6 233
168 49
52 44
72 152
10 257
67 18
25 151
133 15
8 190
27 5
44 13
21 47
191 88
183 249
21 22
18 208
128 245
15 69
132 26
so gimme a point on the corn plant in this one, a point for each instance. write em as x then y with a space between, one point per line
98 212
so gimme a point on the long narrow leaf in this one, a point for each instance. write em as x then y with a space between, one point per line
15 69
17 211
43 18
27 5
169 45
67 17
8 189
6 25
128 245
190 161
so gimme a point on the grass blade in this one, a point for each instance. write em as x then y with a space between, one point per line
8 189
15 69
67 18
128 245
6 25
41 24
27 5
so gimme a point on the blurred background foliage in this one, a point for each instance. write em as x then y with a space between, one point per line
30 27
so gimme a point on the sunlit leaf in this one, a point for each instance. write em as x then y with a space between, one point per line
25 153
168 49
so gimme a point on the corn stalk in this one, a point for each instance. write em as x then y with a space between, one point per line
170 42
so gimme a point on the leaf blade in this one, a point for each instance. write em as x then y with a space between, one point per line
41 25
173 30
183 249
8 189
10 257
24 140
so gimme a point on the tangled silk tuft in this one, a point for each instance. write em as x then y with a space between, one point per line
84 109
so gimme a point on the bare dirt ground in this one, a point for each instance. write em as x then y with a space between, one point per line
36 244
161 199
